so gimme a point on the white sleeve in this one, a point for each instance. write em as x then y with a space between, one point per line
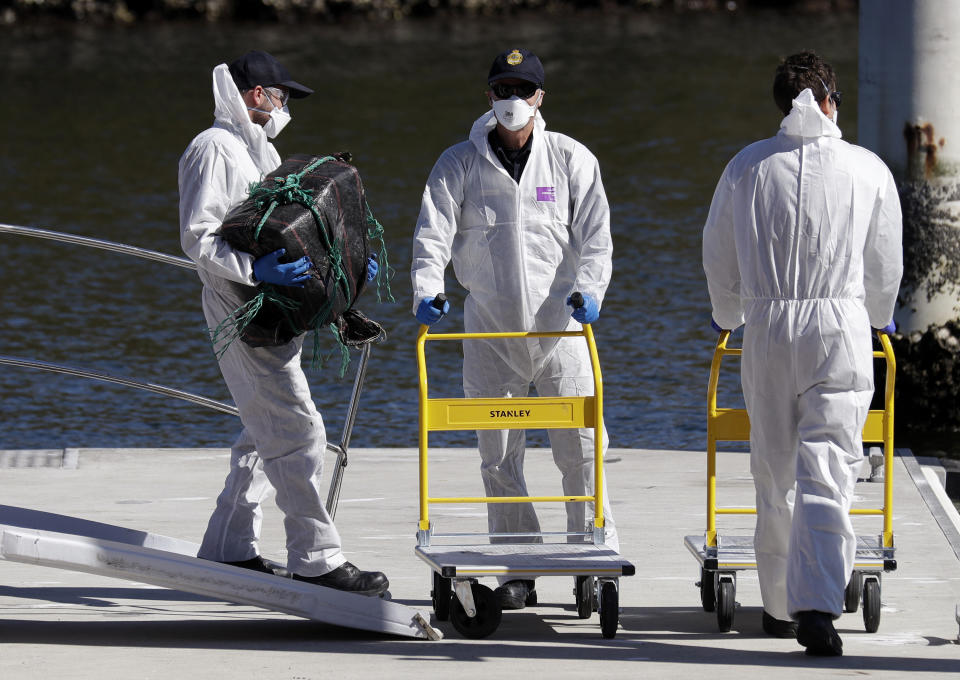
205 199
720 258
590 225
883 255
436 227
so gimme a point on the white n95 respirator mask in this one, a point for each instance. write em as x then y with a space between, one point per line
278 120
514 113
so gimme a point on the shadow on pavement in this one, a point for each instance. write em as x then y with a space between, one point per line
684 636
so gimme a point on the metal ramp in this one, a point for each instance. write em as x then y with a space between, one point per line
51 540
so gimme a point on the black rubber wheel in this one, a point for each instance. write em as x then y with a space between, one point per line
871 605
851 594
584 593
726 601
708 594
487 618
441 597
609 609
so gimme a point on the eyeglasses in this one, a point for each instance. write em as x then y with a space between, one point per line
523 90
835 97
280 95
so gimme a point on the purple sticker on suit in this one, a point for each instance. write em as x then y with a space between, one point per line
546 194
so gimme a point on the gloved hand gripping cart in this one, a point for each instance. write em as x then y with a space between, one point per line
721 557
473 608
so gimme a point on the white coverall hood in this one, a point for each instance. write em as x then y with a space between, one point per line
231 113
806 119
215 174
803 246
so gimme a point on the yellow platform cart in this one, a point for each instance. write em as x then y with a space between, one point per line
722 556
457 596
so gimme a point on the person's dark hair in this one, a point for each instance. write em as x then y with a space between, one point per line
798 72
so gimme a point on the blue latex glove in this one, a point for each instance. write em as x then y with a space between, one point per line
428 315
372 267
889 328
269 270
715 326
590 311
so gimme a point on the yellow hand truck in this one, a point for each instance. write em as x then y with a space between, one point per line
721 557
471 607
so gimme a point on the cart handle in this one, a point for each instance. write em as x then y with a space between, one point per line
576 299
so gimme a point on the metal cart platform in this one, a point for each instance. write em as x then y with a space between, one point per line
456 595
721 556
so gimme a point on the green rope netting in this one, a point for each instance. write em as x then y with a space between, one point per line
385 271
277 191
231 328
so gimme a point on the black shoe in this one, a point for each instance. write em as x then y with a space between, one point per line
815 631
516 594
259 564
779 629
348 578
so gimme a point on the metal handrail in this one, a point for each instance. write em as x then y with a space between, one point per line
119 380
98 243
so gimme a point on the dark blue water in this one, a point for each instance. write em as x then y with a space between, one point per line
91 147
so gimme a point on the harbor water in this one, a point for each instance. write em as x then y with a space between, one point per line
97 117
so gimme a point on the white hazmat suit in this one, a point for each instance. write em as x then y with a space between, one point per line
283 438
520 249
803 246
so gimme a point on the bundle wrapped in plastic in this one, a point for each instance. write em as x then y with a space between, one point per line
313 206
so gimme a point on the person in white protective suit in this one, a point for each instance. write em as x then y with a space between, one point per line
283 438
802 246
522 213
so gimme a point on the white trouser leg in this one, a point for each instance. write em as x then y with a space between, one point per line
766 371
501 454
567 372
773 478
485 374
279 416
822 541
234 528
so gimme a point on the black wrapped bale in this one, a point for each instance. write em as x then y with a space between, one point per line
313 206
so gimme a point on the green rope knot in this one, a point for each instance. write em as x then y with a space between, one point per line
285 190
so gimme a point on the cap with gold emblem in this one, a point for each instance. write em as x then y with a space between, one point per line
520 64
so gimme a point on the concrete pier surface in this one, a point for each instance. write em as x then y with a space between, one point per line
62 624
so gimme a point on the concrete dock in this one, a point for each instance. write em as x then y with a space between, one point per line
62 624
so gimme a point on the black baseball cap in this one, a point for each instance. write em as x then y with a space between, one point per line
259 68
520 64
